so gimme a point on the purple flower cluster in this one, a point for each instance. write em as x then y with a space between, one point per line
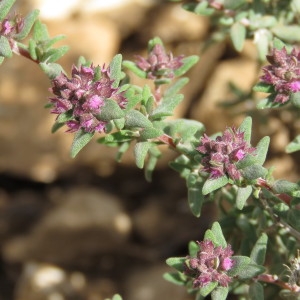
159 64
222 154
9 27
84 96
283 73
210 264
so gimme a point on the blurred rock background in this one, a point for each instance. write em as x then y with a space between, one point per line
88 227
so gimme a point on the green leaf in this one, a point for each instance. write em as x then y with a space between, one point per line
135 119
134 68
233 4
5 49
258 252
220 293
115 70
253 172
294 145
150 133
284 186
242 196
177 263
167 107
262 150
239 263
40 31
154 154
293 218
295 99
140 152
196 200
247 161
238 35
193 248
1 60
188 62
61 120
217 231
32 49
208 288
53 54
185 129
263 87
269 102
209 235
288 33
28 23
133 97
116 138
246 127
278 44
111 111
155 41
81 139
211 185
52 70
122 149
250 271
175 88
262 41
5 6
116 297
256 291
202 9
175 278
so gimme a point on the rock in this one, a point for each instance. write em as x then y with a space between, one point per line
85 223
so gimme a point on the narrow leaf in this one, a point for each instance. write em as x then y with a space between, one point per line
263 87
111 111
262 150
243 194
5 49
238 35
52 70
140 152
196 200
294 145
217 231
28 23
188 62
175 278
53 55
256 291
135 119
5 6
258 252
220 293
176 87
176 263
115 70
40 31
208 288
211 185
81 139
246 127
134 68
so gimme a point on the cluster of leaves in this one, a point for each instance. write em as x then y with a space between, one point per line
242 19
39 46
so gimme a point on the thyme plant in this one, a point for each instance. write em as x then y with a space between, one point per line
252 251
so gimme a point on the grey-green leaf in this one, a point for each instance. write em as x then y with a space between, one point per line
28 23
135 119
256 291
238 35
217 231
211 185
111 111
294 145
5 6
188 62
262 150
246 127
115 70
243 194
52 70
220 293
176 263
196 200
5 49
258 252
140 152
81 139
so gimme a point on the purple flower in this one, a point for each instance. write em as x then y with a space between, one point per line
210 264
11 26
84 97
222 154
283 73
159 64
